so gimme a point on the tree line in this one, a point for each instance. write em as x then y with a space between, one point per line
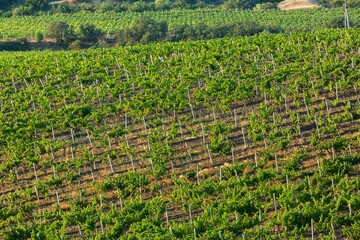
147 30
33 7
10 8
61 35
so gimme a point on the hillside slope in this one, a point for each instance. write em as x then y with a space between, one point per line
252 137
298 4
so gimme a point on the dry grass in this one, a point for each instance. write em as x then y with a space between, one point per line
298 4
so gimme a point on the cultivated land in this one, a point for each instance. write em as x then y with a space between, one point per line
110 22
252 137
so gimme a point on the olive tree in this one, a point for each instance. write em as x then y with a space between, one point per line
61 32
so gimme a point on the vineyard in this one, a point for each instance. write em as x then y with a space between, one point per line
251 137
110 22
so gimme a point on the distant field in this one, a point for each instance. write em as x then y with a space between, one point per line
252 137
109 22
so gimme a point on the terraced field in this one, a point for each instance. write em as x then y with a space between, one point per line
253 137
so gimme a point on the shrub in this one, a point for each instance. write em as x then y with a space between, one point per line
76 45
339 3
242 4
89 33
21 40
247 28
274 29
39 37
338 22
163 4
141 6
265 6
22 11
179 32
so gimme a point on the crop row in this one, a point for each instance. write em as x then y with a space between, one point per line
110 22
209 139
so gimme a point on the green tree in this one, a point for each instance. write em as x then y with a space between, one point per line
61 32
337 22
37 5
247 28
242 4
89 33
180 32
149 30
144 30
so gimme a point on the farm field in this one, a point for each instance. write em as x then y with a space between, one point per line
110 22
249 137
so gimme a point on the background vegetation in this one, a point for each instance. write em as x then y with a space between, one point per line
109 29
34 7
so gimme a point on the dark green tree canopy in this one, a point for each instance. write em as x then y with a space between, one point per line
89 33
144 30
61 32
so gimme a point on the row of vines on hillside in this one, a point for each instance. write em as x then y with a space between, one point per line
254 136
111 22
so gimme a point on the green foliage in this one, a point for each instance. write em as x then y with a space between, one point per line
44 94
37 5
54 181
77 45
72 176
265 6
336 23
29 7
219 128
127 183
163 4
233 170
242 4
220 145
340 165
89 33
297 219
267 155
18 232
34 7
159 153
144 30
39 37
219 142
339 3
289 21
118 132
296 161
22 11
264 175
273 28
61 32
247 29
353 232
